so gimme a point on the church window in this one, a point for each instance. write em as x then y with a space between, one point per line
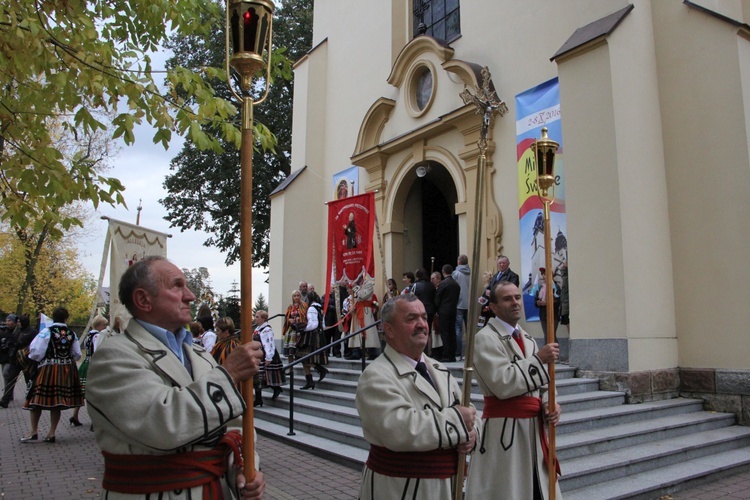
438 18
424 89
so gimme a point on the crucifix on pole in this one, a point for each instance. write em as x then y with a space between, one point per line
487 103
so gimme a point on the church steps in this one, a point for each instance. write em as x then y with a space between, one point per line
608 449
339 452
616 437
617 415
661 482
625 462
322 427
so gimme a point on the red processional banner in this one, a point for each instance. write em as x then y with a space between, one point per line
351 224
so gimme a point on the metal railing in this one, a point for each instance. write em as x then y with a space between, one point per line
290 366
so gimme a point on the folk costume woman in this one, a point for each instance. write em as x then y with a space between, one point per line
97 325
295 321
57 385
311 340
227 341
273 367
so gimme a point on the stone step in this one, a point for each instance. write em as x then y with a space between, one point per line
322 427
570 402
338 452
625 462
599 418
663 481
344 378
616 437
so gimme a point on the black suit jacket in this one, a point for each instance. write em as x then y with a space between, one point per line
508 275
446 296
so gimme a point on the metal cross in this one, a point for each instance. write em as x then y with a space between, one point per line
487 104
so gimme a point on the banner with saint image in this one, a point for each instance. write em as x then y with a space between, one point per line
351 225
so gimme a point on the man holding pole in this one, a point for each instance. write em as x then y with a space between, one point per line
160 405
512 374
410 412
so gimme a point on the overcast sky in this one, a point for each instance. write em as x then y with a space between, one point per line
142 169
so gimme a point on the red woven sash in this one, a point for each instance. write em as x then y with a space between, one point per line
439 464
519 407
143 474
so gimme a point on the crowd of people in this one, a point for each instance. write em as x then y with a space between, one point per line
164 394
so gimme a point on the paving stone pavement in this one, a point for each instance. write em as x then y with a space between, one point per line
72 467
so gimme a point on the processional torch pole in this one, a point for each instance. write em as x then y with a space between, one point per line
250 23
487 104
544 150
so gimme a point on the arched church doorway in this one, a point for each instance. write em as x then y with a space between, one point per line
431 236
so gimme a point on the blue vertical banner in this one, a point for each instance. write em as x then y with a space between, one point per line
536 108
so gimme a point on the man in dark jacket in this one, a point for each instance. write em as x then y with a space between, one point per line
8 347
446 303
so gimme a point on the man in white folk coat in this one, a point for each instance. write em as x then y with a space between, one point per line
160 405
410 412
512 374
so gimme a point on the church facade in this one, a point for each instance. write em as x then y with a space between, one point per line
654 97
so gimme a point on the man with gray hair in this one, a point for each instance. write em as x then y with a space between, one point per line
411 416
159 403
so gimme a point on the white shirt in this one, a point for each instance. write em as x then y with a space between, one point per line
208 339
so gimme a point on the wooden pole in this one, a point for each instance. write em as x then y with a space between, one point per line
471 324
246 277
551 469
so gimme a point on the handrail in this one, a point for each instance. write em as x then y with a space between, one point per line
290 367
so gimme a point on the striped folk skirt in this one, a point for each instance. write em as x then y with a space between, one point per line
274 372
311 342
57 386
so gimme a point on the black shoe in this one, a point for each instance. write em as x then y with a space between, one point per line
257 402
4 404
27 439
276 391
309 385
74 422
322 372
48 439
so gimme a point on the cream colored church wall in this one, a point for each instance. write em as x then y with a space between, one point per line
509 41
278 295
649 287
705 107
355 76
335 84
595 247
622 249
296 213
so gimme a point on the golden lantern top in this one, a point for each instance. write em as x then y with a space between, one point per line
250 24
544 154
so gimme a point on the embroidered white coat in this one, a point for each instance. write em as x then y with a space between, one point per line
401 411
142 400
509 450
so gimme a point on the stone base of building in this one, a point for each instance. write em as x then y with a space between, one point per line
721 390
